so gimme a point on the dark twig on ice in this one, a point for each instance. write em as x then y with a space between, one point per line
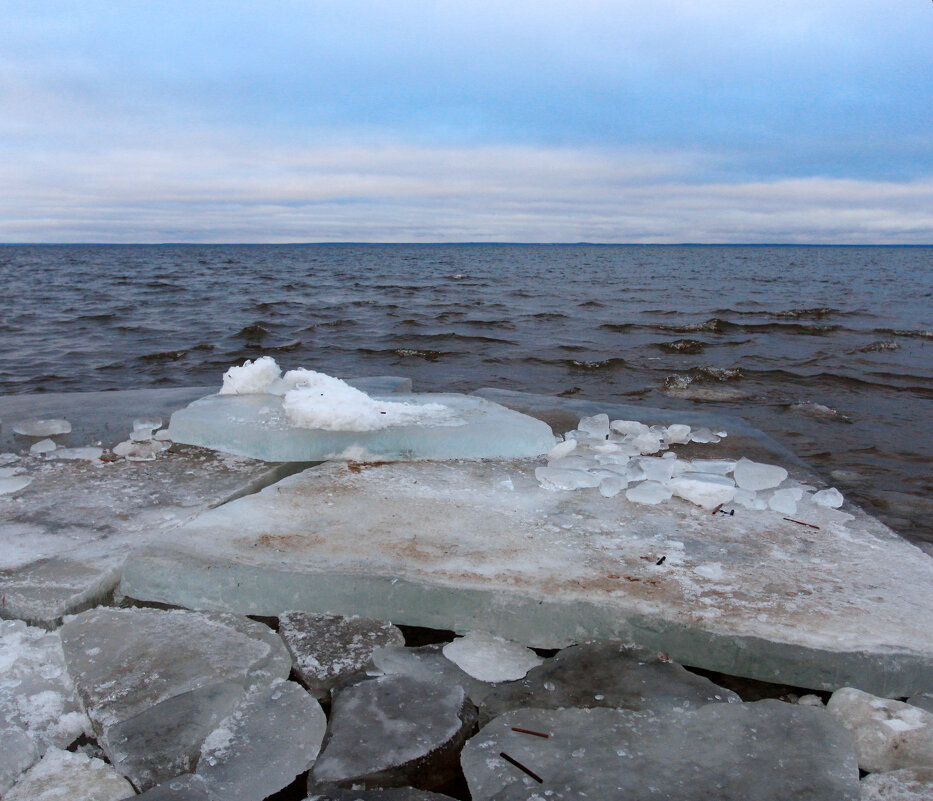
521 767
529 731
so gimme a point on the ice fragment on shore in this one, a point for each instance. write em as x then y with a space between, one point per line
64 776
558 478
611 486
750 500
393 731
763 751
785 500
562 449
42 428
490 658
708 490
141 451
830 498
677 434
36 692
606 674
252 377
428 663
704 435
10 484
756 476
329 648
628 427
88 454
273 735
648 492
888 734
596 426
43 446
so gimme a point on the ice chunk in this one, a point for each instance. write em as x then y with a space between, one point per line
785 500
88 454
490 658
652 468
558 478
606 674
721 466
648 492
43 446
831 498
140 451
749 500
573 463
42 428
124 661
888 734
63 776
764 751
11 484
273 735
165 740
626 427
610 486
252 377
256 426
329 648
395 730
704 435
36 692
562 449
756 476
907 784
596 426
17 754
677 434
708 490
649 442
451 546
149 424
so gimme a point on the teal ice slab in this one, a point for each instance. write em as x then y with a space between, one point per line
255 426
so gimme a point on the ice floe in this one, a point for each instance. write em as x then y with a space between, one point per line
490 658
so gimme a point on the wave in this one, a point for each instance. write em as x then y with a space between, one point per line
906 332
685 346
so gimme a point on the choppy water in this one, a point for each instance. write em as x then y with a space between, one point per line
829 350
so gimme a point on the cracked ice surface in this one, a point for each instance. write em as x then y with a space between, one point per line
470 545
257 426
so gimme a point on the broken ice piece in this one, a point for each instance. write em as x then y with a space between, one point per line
162 436
648 492
42 428
756 476
785 500
329 648
721 466
556 478
652 468
140 451
749 500
89 454
64 775
626 427
561 449
273 735
16 756
611 486
703 436
147 424
596 426
708 490
10 484
831 498
43 446
677 434
646 443
490 658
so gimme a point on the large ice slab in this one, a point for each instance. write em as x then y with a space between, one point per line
765 751
61 775
256 426
841 601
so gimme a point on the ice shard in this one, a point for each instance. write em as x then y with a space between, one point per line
257 426
839 602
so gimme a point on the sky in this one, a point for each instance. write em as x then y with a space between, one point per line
396 121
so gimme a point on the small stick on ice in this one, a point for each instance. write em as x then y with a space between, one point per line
529 731
801 523
521 767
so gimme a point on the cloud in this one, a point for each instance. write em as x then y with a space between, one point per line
230 192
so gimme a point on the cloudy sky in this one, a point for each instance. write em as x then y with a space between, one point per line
344 120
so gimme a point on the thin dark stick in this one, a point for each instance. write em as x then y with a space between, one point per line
521 767
529 731
801 523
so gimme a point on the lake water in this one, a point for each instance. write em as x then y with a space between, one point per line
829 350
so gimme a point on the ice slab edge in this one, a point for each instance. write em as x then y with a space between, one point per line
187 580
255 426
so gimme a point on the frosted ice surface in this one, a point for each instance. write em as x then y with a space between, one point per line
708 490
17 754
36 693
596 426
329 648
906 784
611 486
273 735
831 498
480 545
765 751
64 776
395 730
11 484
89 453
490 658
379 794
180 788
606 674
251 377
124 661
888 734
42 428
649 493
756 476
428 663
256 426
164 740
43 446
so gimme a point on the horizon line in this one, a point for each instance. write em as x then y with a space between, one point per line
475 244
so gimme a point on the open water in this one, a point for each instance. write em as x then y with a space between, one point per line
827 349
